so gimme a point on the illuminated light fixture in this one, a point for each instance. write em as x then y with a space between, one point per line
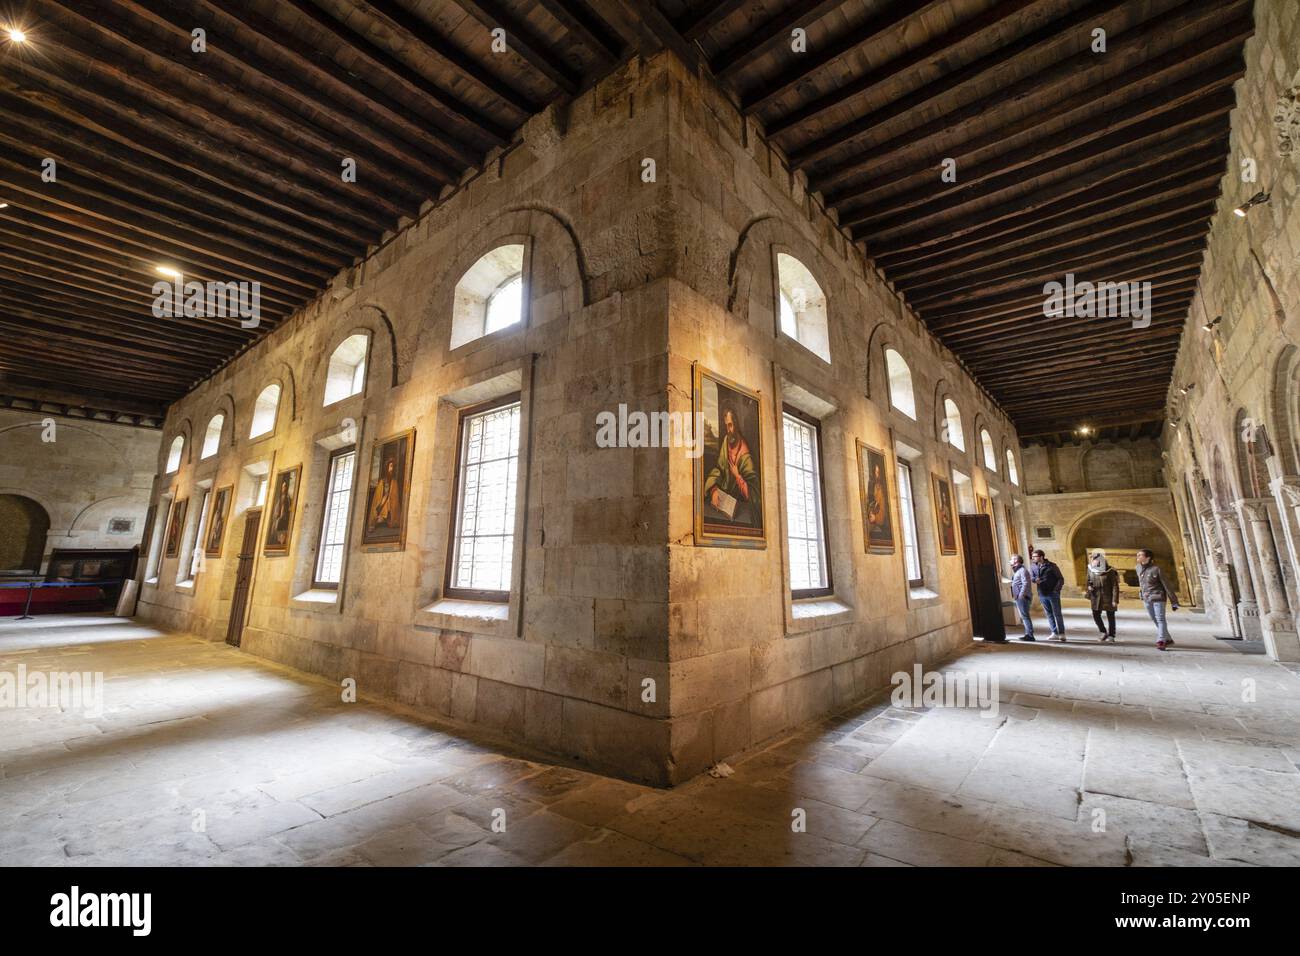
4 205
17 36
169 272
1256 200
1084 430
1209 326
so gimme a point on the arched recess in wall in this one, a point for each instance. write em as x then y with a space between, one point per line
1284 406
1120 532
280 373
225 407
752 280
1249 459
24 525
556 282
983 444
384 365
89 517
1108 468
184 430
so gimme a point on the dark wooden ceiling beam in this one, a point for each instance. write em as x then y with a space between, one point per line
597 36
693 27
522 41
646 27
766 37
990 342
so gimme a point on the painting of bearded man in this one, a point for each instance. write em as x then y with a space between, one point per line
729 475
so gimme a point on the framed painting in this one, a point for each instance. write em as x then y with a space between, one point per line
729 472
1013 539
387 490
873 490
283 502
175 525
982 506
944 516
217 522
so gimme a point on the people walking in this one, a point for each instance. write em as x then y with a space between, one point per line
1103 595
1022 592
1156 591
1050 581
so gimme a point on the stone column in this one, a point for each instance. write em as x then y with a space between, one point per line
1220 576
1286 492
1247 606
1278 625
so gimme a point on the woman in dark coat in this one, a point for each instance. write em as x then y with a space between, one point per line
1103 595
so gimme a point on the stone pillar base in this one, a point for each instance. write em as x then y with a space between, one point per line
1280 638
1248 615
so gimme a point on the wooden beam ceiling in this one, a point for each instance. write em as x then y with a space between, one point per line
226 164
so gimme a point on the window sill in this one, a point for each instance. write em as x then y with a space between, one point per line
186 586
315 598
921 597
812 614
490 618
151 582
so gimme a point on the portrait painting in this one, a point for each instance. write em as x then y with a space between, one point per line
283 502
982 506
175 525
873 489
217 522
1013 539
387 490
945 516
729 471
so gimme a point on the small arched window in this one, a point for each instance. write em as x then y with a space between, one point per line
1012 474
900 384
801 306
990 456
212 437
952 425
490 295
174 454
264 411
347 370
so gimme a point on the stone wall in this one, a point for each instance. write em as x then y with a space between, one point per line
91 478
1093 466
623 645
1242 371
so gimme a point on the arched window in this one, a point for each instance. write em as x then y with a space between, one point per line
489 296
347 370
990 456
952 425
264 411
174 454
212 437
801 306
900 384
1012 474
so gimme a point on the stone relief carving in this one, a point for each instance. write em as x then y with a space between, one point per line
1286 118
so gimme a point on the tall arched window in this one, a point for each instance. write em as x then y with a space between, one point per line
489 296
1012 474
347 370
952 425
990 456
212 437
174 454
901 396
801 306
264 411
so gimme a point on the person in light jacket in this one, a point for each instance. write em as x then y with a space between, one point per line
1155 590
1050 581
1022 592
1103 595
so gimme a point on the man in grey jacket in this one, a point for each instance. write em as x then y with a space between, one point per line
1022 592
1155 590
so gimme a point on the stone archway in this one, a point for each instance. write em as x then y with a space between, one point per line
1120 533
25 526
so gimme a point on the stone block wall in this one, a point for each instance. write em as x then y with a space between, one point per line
623 645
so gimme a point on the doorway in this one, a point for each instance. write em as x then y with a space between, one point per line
243 577
983 585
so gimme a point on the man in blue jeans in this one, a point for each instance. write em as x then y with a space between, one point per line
1155 590
1050 582
1022 592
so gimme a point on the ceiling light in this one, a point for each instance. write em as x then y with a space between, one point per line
169 272
1209 326
17 36
4 205
1258 199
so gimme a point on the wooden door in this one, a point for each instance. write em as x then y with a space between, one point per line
243 577
983 588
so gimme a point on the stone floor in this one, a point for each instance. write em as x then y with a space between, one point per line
1097 755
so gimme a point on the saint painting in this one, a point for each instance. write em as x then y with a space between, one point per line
387 491
217 522
283 502
982 506
944 516
729 473
174 526
873 486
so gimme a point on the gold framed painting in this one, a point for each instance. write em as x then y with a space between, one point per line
175 525
388 487
945 517
217 522
729 474
283 503
873 491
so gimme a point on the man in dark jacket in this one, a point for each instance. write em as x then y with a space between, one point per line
1050 581
1155 590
